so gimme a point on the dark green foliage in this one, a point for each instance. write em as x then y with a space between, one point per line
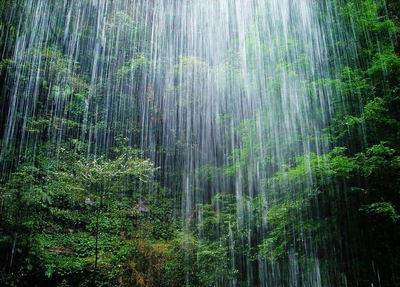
68 215
356 189
70 218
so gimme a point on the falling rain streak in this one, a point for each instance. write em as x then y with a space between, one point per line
220 94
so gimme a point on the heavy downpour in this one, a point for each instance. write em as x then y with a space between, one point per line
153 143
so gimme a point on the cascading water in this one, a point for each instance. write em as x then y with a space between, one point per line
221 94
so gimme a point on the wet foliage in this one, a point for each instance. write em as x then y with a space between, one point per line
268 155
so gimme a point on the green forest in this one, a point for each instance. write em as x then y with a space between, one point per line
137 151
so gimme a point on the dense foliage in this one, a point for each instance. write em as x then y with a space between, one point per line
74 216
